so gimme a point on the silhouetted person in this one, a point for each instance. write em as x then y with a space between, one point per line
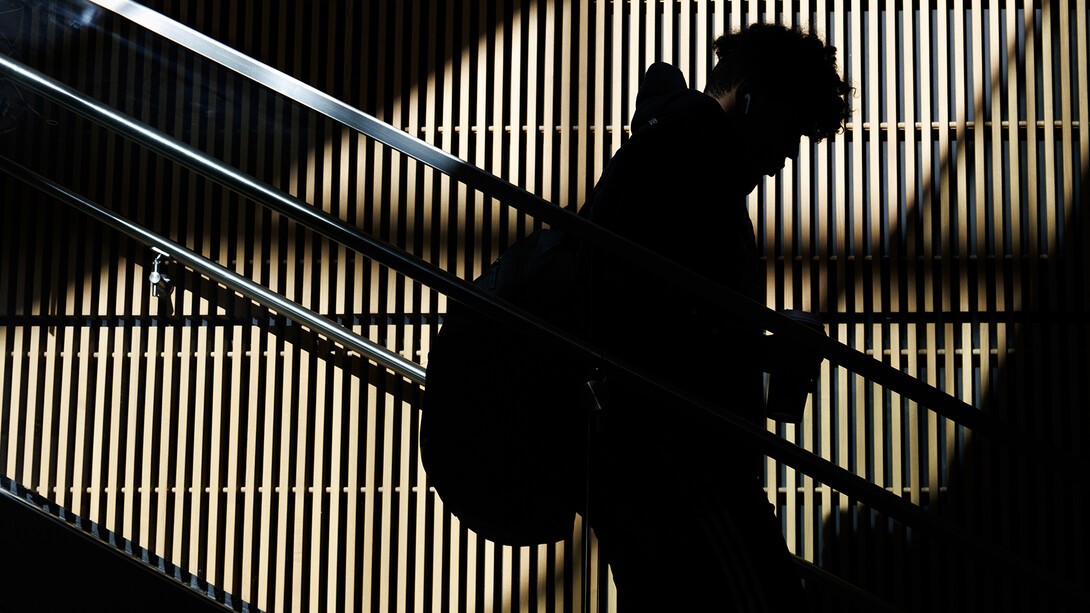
674 494
676 498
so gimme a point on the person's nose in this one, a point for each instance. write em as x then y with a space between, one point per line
793 149
790 151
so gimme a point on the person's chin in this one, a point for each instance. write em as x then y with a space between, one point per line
750 183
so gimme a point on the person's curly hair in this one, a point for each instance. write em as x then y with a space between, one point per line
790 63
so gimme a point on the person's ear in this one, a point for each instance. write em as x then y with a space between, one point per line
745 93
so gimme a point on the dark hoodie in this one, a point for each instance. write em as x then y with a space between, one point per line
669 188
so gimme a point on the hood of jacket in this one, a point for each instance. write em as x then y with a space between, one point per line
663 94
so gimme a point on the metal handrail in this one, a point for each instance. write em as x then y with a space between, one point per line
732 302
228 278
817 467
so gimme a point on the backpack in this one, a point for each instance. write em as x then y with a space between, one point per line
502 435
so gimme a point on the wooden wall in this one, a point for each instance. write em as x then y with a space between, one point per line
943 232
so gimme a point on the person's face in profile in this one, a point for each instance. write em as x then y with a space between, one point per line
768 138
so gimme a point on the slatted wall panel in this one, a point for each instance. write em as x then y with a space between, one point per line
943 232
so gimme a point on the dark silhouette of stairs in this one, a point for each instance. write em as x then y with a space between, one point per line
51 560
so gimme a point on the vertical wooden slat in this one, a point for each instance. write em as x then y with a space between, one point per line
339 581
900 440
1051 234
100 446
1016 163
532 96
705 22
1014 154
63 441
15 434
36 473
318 193
262 493
567 124
404 494
370 495
483 574
635 70
386 498
650 38
685 42
376 549
519 127
452 569
136 359
878 249
924 303
314 449
234 484
976 70
302 405
447 143
836 235
431 121
1031 372
8 384
596 112
669 41
251 540
422 494
166 448
198 402
997 301
891 435
548 79
787 223
1030 87
1083 41
547 174
278 395
318 490
584 112
201 399
804 301
854 258
31 434
217 452
136 285
178 444
477 135
955 251
352 579
280 488
1068 145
